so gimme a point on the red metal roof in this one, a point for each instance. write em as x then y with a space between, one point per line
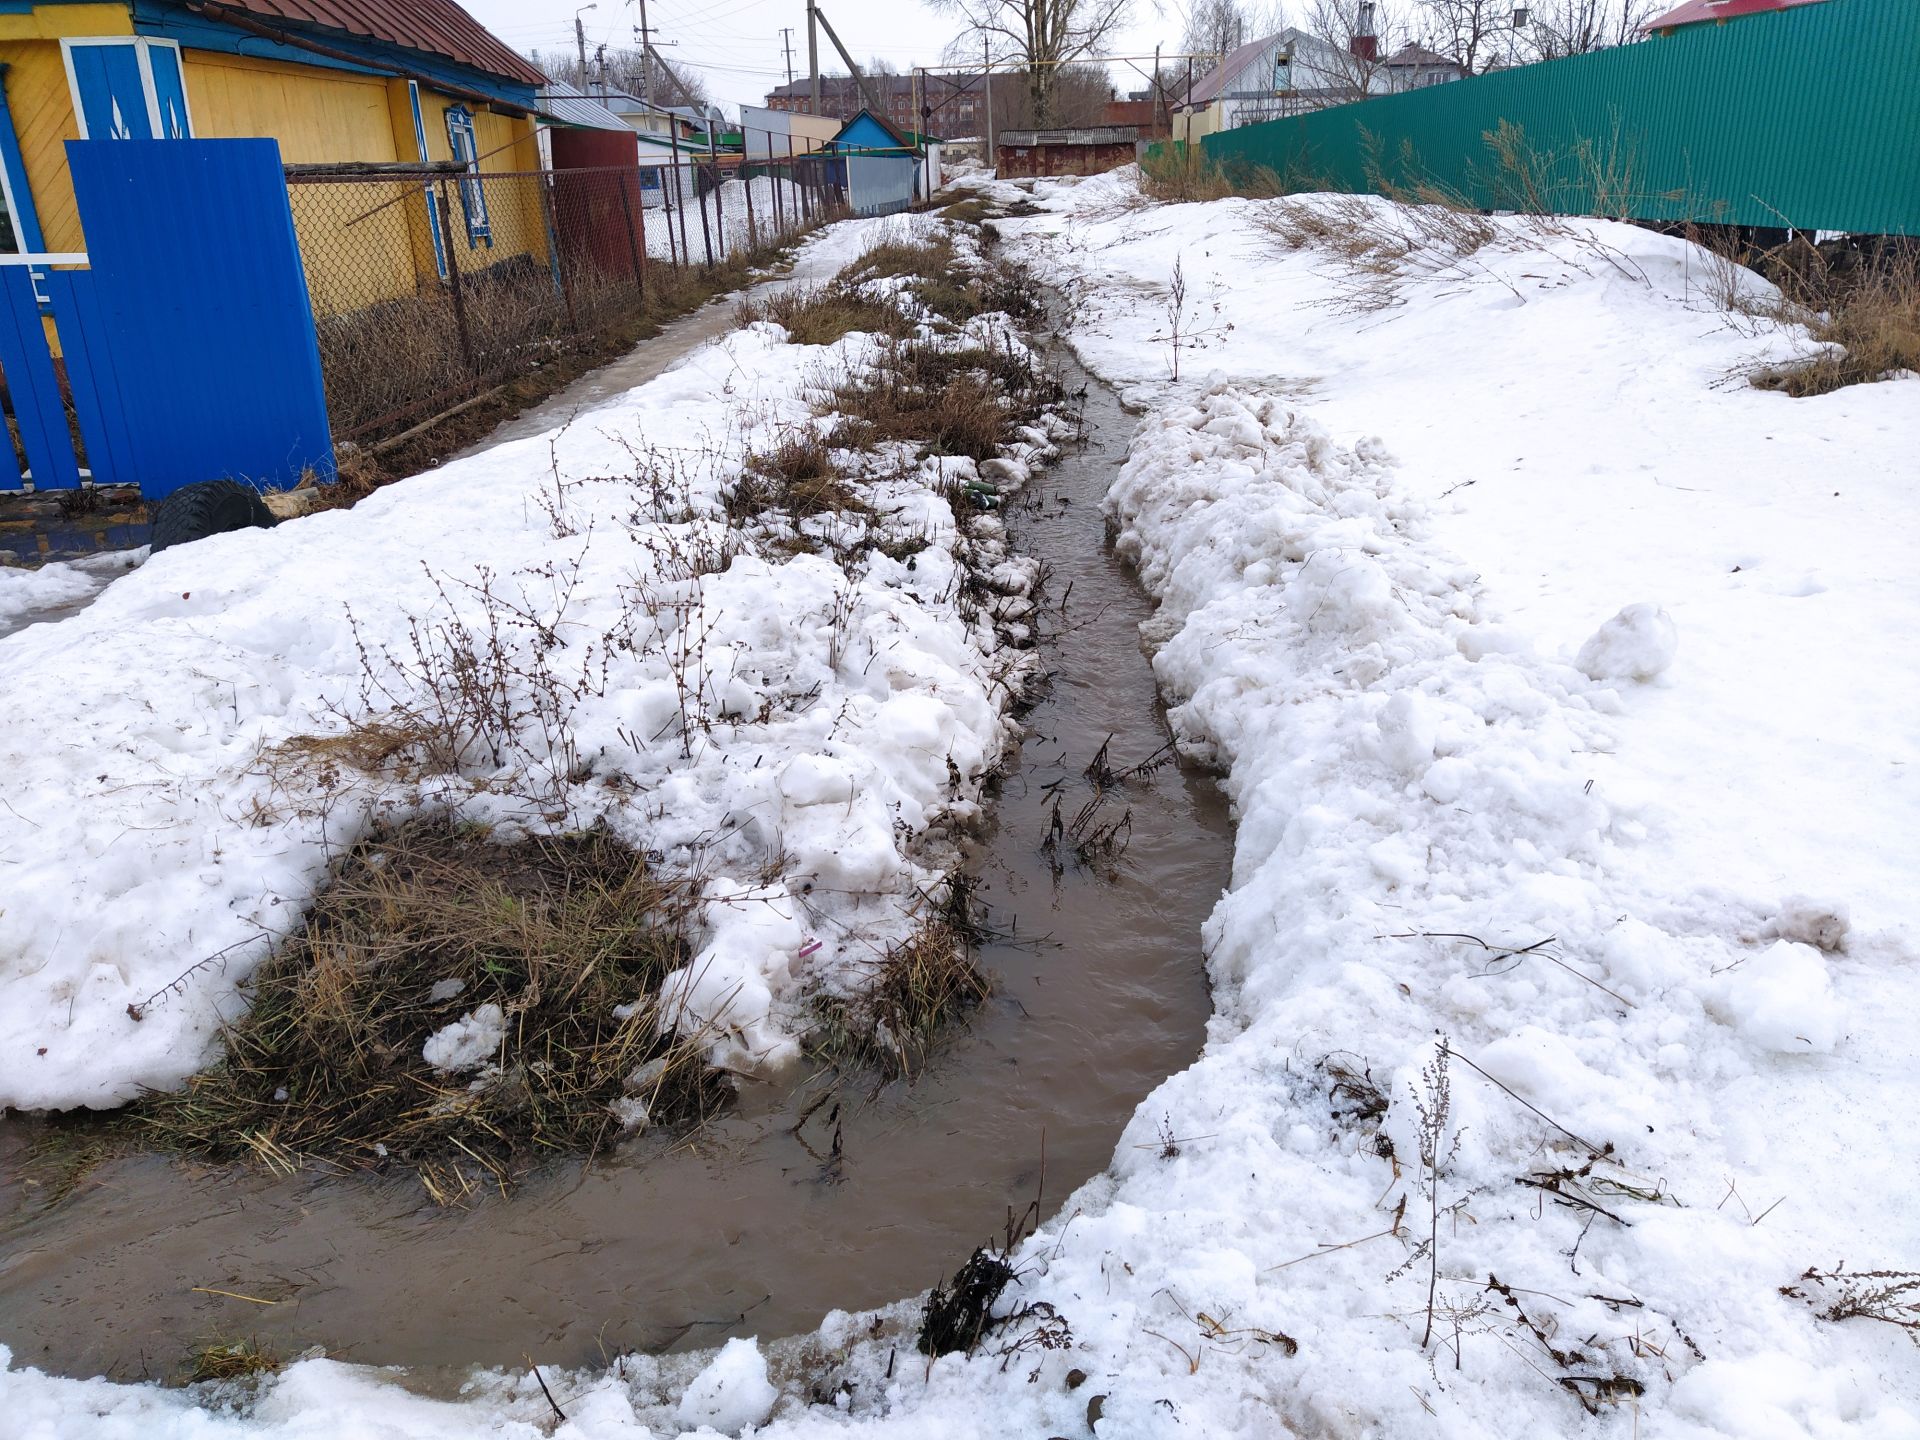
435 27
1695 12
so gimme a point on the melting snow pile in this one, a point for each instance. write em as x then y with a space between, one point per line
1566 976
583 637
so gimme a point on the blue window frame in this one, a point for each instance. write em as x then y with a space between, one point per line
433 208
473 195
127 88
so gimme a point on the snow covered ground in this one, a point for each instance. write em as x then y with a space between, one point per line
804 738
28 595
1564 986
775 201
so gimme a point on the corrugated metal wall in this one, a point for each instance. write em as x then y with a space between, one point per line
1807 118
880 184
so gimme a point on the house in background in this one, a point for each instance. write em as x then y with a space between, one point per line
400 81
879 168
769 134
1413 67
955 102
1289 73
668 136
1715 12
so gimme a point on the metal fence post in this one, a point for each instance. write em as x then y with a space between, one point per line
559 257
779 217
679 194
453 280
633 250
746 184
700 194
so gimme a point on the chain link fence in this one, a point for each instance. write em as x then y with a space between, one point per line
431 285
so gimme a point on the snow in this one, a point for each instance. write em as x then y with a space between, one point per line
468 1043
669 678
25 593
732 1393
1637 644
1622 939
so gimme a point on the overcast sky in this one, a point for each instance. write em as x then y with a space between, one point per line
737 43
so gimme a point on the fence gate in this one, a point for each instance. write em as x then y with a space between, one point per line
184 331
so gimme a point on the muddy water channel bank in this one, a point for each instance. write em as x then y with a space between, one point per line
759 1223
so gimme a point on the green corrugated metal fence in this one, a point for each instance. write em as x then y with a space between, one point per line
1807 118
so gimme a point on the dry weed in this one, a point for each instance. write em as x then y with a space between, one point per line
569 937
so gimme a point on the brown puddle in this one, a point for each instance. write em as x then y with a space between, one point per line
743 1230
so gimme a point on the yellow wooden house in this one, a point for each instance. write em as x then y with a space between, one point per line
335 82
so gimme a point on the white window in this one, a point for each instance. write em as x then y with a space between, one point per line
473 194
127 88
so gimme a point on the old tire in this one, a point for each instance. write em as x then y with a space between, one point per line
210 507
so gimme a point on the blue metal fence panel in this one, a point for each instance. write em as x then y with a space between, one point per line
880 184
196 306
33 386
87 347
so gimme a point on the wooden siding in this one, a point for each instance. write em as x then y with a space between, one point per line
43 120
360 249
318 115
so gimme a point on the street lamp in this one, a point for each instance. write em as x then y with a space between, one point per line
580 41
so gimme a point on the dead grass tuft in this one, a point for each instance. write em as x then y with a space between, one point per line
218 1360
952 402
971 211
1864 308
917 990
424 924
798 476
1377 248
822 314
1177 175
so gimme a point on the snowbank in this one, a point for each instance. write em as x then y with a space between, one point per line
1564 1022
805 738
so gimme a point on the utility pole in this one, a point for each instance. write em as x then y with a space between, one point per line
986 62
859 79
646 55
786 33
813 56
580 40
1153 126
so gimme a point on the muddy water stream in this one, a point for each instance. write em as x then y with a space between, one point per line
743 1229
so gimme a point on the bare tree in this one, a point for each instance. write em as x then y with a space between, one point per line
1577 27
1466 30
1080 96
1213 28
1357 37
1041 35
628 69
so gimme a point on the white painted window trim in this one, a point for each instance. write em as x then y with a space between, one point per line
142 46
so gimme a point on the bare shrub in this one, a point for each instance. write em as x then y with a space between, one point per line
1891 1297
488 694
